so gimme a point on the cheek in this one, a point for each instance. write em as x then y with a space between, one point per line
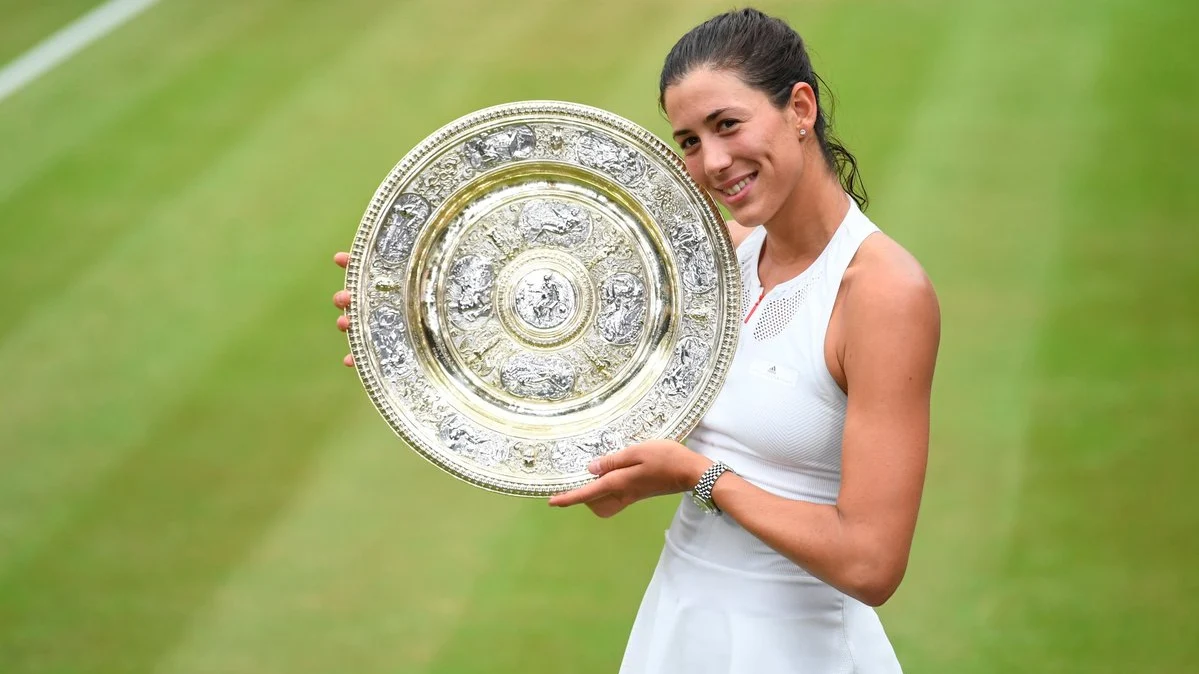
695 167
787 160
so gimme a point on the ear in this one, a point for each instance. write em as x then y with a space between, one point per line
803 106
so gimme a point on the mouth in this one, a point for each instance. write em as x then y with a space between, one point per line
736 191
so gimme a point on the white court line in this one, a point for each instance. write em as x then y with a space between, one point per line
66 42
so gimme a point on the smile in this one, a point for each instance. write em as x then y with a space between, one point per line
736 188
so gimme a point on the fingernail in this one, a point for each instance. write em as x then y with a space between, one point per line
594 467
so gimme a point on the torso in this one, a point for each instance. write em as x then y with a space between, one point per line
786 371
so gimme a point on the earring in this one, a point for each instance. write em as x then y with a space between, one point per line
803 132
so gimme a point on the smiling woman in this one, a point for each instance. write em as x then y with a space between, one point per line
806 473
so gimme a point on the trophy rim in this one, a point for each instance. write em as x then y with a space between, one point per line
724 257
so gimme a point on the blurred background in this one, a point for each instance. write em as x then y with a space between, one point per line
190 481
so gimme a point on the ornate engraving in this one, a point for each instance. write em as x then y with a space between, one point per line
487 150
444 176
530 457
609 252
408 215
687 365
539 377
387 333
482 350
573 455
622 308
556 141
544 299
468 293
498 231
695 256
555 223
465 440
646 419
616 159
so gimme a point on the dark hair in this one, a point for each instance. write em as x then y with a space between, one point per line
768 55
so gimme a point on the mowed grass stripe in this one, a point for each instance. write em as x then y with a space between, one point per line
989 227
115 585
367 570
45 124
70 40
1100 574
91 198
27 23
91 370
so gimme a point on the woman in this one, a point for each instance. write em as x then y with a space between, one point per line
806 473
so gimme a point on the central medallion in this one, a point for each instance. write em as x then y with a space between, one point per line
544 299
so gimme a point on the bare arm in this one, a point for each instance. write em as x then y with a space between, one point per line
861 544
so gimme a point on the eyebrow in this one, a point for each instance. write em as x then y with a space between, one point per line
711 116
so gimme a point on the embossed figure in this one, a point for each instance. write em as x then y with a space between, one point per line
545 299
408 215
468 292
690 358
470 442
538 377
491 149
615 159
622 308
695 253
387 333
555 223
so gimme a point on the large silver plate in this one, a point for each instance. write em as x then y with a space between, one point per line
538 284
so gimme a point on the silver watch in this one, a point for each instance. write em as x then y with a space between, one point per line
702 493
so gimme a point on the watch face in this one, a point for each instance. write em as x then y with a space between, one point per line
703 505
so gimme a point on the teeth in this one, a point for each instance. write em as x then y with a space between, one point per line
738 187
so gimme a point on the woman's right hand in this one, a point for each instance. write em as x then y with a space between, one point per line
341 300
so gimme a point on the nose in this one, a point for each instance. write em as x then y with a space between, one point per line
716 159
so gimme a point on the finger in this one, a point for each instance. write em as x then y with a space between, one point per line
341 299
341 259
629 456
606 506
348 360
588 492
343 322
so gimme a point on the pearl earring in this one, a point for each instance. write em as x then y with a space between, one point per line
803 132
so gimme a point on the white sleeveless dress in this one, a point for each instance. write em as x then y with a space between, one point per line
721 601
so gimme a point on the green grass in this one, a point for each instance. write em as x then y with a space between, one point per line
189 482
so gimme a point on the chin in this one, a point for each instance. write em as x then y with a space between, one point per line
747 214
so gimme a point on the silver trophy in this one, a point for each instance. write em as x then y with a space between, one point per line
538 284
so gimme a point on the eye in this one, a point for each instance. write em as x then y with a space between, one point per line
727 124
688 143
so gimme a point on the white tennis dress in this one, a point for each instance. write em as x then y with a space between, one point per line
722 601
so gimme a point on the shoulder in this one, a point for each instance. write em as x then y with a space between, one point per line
738 232
886 288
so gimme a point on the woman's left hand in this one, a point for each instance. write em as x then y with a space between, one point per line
638 472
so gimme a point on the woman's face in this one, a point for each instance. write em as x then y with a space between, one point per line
736 143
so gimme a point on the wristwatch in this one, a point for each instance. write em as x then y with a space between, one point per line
702 493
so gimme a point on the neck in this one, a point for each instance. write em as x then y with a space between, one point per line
804 224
